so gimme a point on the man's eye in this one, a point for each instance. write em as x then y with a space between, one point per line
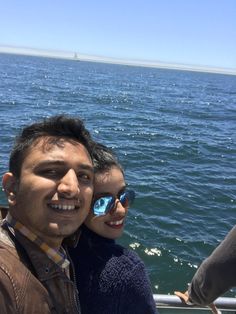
85 177
50 173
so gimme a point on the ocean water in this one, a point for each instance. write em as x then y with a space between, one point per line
174 132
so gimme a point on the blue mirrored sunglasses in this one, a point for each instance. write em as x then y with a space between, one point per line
102 205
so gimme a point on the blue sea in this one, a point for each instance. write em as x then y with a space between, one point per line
174 132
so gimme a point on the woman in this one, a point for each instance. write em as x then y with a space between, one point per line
110 278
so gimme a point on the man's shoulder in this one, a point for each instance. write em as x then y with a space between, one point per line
5 240
3 211
8 254
9 257
20 288
12 271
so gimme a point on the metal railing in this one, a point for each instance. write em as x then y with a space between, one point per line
171 301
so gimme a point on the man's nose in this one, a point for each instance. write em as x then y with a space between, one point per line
69 185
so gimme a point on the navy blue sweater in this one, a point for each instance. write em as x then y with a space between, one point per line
110 278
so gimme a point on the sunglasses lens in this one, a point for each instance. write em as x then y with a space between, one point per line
127 198
106 203
103 205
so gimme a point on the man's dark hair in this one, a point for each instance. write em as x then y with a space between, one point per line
104 159
58 127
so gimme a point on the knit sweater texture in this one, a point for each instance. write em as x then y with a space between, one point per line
110 278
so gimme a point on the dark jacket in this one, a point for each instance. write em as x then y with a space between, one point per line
110 278
217 274
30 282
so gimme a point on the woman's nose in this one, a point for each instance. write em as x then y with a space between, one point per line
118 209
69 185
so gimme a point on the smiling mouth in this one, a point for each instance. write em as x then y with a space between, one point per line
63 207
115 223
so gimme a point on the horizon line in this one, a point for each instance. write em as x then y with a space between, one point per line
69 55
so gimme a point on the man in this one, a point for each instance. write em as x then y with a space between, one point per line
49 188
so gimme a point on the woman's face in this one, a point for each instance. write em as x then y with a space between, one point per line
110 225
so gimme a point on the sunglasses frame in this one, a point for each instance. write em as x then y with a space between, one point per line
128 195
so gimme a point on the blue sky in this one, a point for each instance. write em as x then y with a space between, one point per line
196 32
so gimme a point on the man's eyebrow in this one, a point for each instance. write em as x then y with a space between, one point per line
87 167
50 162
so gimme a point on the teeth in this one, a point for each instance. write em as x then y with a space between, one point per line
116 223
63 207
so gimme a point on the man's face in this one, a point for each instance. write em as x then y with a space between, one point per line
55 189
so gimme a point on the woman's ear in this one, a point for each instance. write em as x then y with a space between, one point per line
9 184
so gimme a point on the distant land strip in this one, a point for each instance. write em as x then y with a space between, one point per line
92 58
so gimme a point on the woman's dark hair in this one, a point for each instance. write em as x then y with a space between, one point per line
104 159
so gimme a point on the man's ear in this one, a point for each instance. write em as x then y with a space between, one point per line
9 184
